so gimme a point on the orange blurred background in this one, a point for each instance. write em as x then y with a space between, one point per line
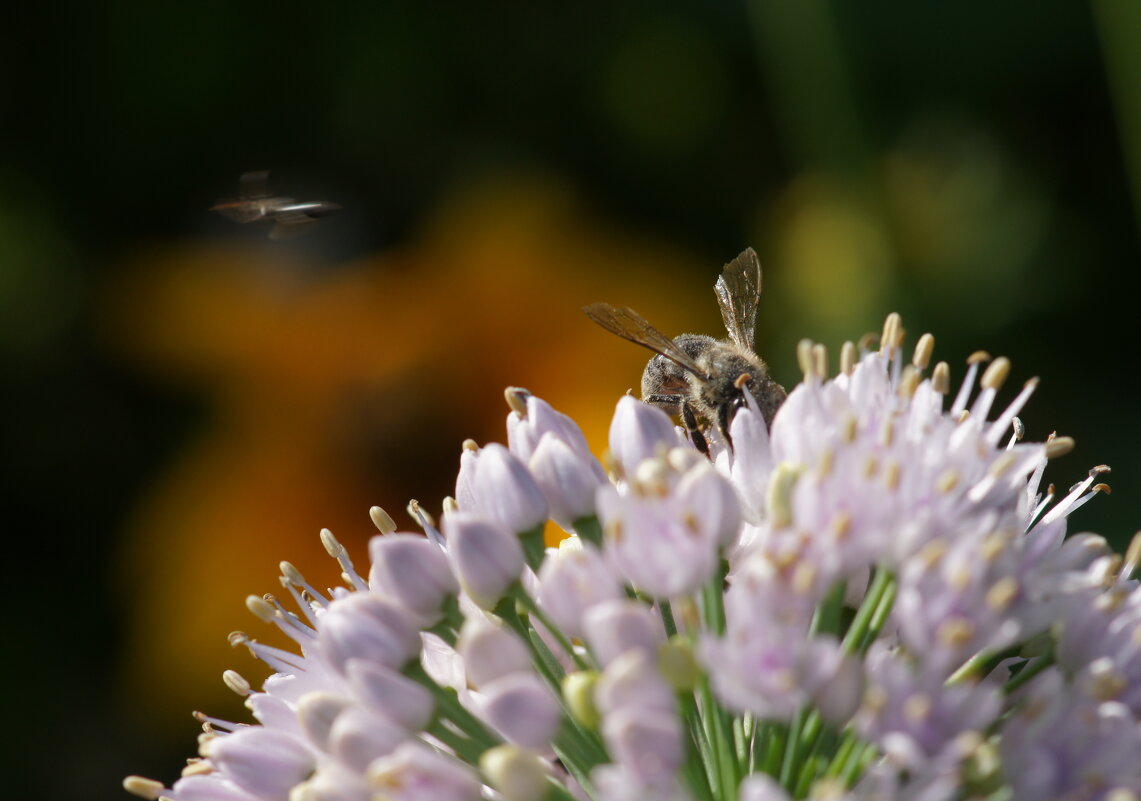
328 395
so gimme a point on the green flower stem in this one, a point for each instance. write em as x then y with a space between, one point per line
535 611
740 745
587 744
544 661
879 616
981 664
574 769
534 547
465 748
771 744
694 772
858 761
848 743
826 619
809 771
556 791
720 736
810 734
578 747
792 750
448 706
668 622
718 727
754 732
588 529
713 601
825 742
1029 671
691 715
859 634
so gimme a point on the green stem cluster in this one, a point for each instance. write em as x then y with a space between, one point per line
723 748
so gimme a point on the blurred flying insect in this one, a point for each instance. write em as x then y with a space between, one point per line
254 204
701 378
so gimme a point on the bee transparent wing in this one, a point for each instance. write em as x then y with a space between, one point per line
251 204
630 325
304 212
243 211
738 294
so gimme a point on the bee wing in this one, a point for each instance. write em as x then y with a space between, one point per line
242 211
630 325
738 294
251 204
305 212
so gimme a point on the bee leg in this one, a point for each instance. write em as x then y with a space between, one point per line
724 415
694 430
670 404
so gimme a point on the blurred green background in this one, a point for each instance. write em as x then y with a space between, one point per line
185 402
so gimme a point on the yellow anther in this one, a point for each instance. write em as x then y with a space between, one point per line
804 358
516 398
820 360
847 358
996 373
1002 593
382 520
923 350
261 608
941 378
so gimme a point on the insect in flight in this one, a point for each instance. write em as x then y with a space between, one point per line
289 216
701 378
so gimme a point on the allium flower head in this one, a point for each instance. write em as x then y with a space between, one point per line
871 598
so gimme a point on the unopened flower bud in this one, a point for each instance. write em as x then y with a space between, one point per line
316 712
637 432
494 483
839 693
523 709
614 627
654 538
713 504
647 741
264 762
486 558
365 626
525 431
578 693
490 651
414 772
414 572
571 581
518 774
568 480
633 680
358 737
678 664
392 695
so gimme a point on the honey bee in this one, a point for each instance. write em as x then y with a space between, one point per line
701 378
289 216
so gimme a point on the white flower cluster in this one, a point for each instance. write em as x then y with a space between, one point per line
873 599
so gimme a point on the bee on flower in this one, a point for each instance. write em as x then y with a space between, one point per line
864 594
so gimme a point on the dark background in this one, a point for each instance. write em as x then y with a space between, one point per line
182 397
